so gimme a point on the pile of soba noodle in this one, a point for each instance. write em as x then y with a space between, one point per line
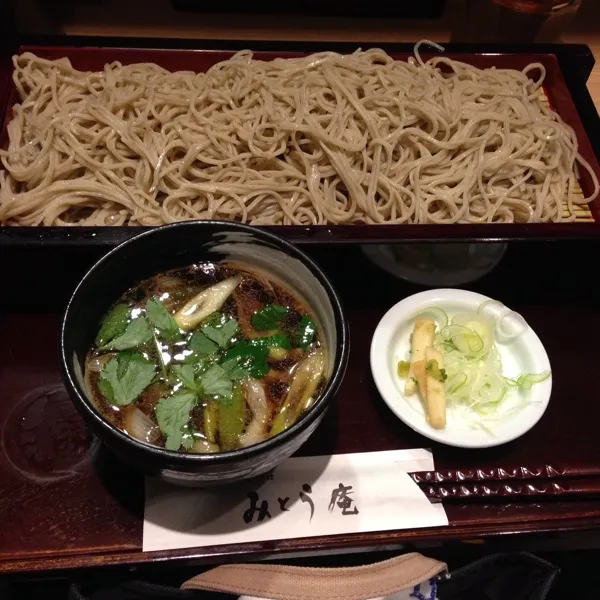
320 139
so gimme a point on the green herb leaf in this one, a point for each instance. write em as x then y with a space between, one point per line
202 365
187 440
251 358
160 317
269 317
106 390
216 382
221 334
172 415
215 319
234 369
201 345
123 360
173 442
124 378
114 324
138 332
277 340
433 368
307 331
187 376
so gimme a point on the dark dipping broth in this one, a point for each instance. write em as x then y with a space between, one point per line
208 358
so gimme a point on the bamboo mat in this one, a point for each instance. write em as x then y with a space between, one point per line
582 212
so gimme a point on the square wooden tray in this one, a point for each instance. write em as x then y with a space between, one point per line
65 502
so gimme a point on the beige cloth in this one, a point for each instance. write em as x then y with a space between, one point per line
278 582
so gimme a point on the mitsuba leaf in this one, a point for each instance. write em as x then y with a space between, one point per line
124 378
234 369
250 358
207 380
106 390
221 334
160 317
186 374
138 332
188 439
172 415
201 346
269 317
216 382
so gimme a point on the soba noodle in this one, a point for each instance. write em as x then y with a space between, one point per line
322 139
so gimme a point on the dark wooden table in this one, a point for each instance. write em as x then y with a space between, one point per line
66 503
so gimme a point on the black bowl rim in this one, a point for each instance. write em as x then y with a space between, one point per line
175 457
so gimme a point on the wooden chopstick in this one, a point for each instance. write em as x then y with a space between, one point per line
502 474
518 490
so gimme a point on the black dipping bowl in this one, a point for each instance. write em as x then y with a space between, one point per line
180 245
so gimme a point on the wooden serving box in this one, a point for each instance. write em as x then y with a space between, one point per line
564 87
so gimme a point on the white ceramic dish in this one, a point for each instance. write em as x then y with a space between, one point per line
525 354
